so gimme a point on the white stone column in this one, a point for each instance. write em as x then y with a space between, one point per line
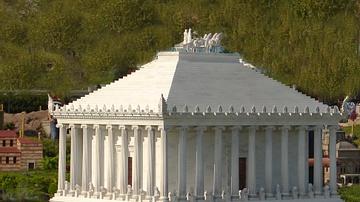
333 172
164 168
182 164
97 165
79 155
151 164
251 161
235 162
136 162
318 168
218 163
199 179
124 162
62 158
302 160
110 172
285 160
73 159
86 160
268 160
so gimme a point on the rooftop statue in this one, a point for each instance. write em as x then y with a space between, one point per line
208 43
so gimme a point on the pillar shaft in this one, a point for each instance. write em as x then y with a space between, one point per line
73 158
136 161
62 157
151 160
285 159
235 162
318 168
302 159
333 173
97 165
110 159
199 180
124 161
182 164
164 167
268 160
86 160
251 161
218 162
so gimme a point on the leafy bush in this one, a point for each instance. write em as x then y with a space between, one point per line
23 101
9 126
350 194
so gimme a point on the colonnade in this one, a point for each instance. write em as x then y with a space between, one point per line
92 163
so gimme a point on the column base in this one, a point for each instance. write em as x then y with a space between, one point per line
164 198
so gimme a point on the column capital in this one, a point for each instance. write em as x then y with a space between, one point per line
84 126
217 128
201 128
164 127
149 127
109 126
59 125
285 127
122 127
96 127
236 128
135 127
302 127
253 127
183 127
317 127
72 125
270 128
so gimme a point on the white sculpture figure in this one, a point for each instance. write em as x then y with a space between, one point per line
77 189
156 192
311 191
185 37
129 190
114 193
66 188
327 191
190 195
172 196
102 190
189 37
262 194
295 193
278 192
141 194
245 194
91 190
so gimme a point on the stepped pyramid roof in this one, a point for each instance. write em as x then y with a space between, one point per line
198 79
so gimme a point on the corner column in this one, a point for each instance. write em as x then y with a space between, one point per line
182 164
333 172
62 158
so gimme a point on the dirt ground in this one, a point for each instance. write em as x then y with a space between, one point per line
32 120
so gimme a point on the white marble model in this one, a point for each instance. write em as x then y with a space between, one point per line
194 126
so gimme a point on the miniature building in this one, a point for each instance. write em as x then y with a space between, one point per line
195 125
19 154
348 156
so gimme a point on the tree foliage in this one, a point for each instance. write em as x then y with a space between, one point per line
62 45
